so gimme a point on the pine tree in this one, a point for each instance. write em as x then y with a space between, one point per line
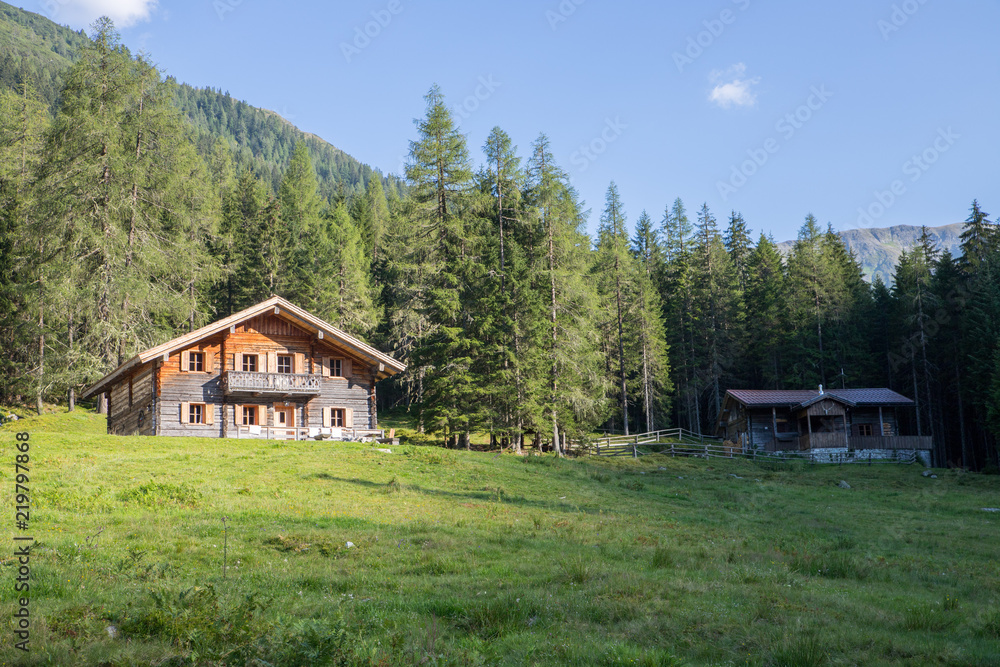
615 274
680 315
299 205
739 247
248 246
344 293
676 231
647 323
23 255
115 154
811 288
716 293
440 178
765 314
576 388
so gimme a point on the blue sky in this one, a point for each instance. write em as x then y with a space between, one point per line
872 113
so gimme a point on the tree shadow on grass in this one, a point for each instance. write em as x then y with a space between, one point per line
487 495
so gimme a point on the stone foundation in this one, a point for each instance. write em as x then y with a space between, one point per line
843 455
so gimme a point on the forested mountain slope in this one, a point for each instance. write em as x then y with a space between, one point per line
33 47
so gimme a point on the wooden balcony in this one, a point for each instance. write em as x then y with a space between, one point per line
834 440
271 384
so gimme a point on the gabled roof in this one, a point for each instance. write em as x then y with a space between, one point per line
386 365
767 398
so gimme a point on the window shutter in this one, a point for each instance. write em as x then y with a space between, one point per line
347 370
326 367
209 414
300 363
348 418
272 362
238 415
262 415
185 361
209 361
185 413
238 361
327 419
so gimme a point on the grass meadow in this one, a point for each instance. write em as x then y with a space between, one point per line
472 558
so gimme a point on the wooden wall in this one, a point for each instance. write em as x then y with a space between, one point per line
133 400
870 416
267 336
177 387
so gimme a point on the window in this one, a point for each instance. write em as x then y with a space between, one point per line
866 429
250 363
337 417
196 413
250 415
284 363
337 368
282 417
196 361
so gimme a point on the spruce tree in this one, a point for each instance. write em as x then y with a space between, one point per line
765 315
576 386
440 179
647 323
615 276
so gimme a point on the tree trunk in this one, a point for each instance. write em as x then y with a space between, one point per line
71 394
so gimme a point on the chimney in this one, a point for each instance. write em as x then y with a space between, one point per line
821 390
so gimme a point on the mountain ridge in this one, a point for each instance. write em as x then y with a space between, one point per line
878 249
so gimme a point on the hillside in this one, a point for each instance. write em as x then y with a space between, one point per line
343 554
878 250
34 47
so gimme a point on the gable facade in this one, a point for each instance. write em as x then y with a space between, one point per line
272 371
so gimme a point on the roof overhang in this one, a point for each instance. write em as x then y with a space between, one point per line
385 365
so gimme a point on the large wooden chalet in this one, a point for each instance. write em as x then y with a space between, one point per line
820 423
271 371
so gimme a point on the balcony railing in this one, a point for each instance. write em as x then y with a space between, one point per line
279 384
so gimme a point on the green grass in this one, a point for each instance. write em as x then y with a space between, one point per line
466 558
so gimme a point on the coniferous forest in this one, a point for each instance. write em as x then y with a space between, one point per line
125 221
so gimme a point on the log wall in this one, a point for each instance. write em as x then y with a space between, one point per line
177 386
266 336
131 408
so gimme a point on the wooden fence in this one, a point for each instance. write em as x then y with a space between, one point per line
681 442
